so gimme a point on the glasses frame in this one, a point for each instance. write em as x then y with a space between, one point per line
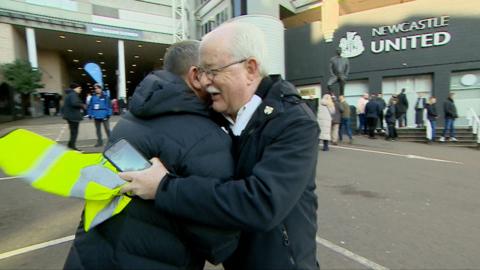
211 73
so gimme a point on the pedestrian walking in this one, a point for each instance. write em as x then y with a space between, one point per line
372 111
383 105
390 118
402 108
450 112
362 101
72 112
432 116
345 126
100 109
336 120
419 108
326 109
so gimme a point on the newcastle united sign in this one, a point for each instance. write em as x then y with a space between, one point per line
384 38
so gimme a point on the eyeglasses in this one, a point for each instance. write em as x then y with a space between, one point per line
211 73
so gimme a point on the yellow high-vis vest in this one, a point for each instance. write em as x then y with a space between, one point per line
53 168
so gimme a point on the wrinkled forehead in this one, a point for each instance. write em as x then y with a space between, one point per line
215 50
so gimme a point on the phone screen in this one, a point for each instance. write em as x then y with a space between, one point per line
125 157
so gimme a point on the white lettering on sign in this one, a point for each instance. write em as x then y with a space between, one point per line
352 44
413 41
411 26
410 42
114 32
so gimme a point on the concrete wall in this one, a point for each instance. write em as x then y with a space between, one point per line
64 76
263 7
12 45
53 71
20 43
8 38
155 19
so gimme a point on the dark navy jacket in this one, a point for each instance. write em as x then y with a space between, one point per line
402 105
72 107
272 196
372 109
390 116
167 121
432 112
449 109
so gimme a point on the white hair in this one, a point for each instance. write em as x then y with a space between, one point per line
245 41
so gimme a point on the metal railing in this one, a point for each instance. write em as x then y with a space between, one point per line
475 123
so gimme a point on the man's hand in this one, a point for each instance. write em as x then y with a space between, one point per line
144 183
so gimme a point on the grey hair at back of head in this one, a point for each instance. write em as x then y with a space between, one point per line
246 41
181 56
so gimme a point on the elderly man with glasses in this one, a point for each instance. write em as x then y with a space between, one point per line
271 197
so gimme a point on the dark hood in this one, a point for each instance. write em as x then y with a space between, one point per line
162 92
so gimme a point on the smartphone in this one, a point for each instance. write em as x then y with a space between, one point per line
125 157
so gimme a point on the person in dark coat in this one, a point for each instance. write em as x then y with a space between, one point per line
372 111
345 126
168 118
336 120
390 118
402 108
100 110
72 112
383 106
432 116
450 112
271 197
420 106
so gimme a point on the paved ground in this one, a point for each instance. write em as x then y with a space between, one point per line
382 205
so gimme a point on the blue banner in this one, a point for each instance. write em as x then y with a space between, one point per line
95 72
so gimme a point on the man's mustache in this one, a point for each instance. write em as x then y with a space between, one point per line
212 90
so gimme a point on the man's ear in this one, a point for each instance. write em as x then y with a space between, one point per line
193 78
253 69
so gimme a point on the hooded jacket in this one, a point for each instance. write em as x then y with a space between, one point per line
72 107
450 109
168 121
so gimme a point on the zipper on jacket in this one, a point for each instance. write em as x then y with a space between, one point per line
286 243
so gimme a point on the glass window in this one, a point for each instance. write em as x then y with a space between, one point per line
466 86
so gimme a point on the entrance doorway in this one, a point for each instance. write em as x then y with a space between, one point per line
413 86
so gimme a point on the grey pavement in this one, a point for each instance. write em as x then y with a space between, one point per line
382 205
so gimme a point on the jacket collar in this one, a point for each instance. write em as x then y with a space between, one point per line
272 91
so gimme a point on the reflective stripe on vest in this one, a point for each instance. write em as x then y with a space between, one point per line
55 169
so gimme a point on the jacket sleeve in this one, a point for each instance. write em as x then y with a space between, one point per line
109 106
255 203
90 107
210 156
77 102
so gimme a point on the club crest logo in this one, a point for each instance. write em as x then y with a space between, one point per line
351 45
268 110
